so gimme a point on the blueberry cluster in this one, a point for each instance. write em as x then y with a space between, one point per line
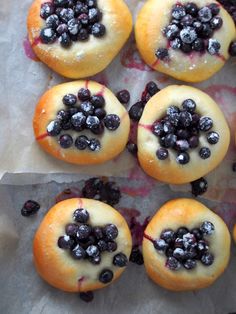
191 29
85 242
185 247
107 192
180 130
70 20
89 115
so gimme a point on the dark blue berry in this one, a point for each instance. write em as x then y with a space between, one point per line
92 251
136 256
120 260
136 111
112 122
199 186
73 26
98 233
98 101
178 12
94 15
183 158
207 228
92 122
102 245
106 276
87 108
52 21
62 28
66 14
206 31
215 8
69 100
193 141
110 231
158 128
123 96
189 105
162 153
188 35
191 8
204 14
207 259
182 145
78 121
94 144
30 208
65 242
205 124
47 35
54 128
197 233
46 10
132 148
63 115
216 22
65 141
205 153
162 54
83 35
181 232
199 45
83 232
71 229
152 88
160 245
86 296
171 31
172 263
170 140
111 246
187 20
168 235
185 118
81 215
232 49
78 252
213 46
98 30
82 142
190 264
84 94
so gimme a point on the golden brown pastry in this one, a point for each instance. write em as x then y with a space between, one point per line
188 40
182 135
78 38
186 246
81 122
81 245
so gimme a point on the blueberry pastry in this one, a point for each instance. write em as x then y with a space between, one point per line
188 40
81 245
182 135
185 246
78 38
79 122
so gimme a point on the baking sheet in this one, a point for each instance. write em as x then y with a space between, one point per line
22 291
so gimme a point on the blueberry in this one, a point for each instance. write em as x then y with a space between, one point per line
168 127
97 231
168 235
162 153
213 46
183 158
204 14
92 188
197 25
193 141
111 246
189 105
94 15
152 88
160 245
135 112
60 3
78 252
205 124
112 122
81 215
110 231
86 296
187 20
106 276
102 245
182 134
63 115
175 44
84 94
98 30
92 251
216 22
205 153
172 263
78 121
65 141
65 242
52 21
110 193
83 232
47 35
169 252
66 125
181 232
71 229
66 15
94 145
136 256
62 28
207 228
195 119
190 264
91 3
87 108
132 148
232 49
199 45
98 101
162 54
92 122
73 26
182 145
189 240
202 246
95 260
120 260
207 259
186 48
215 8
123 96
178 12
83 35
54 128
158 128
30 208
179 243
185 118
197 233
83 19
199 186
171 31
206 31
188 35
46 10
191 8
179 254
82 142
174 119
170 140
69 100
80 8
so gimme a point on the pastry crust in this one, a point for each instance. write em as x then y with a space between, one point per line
234 233
86 58
169 170
56 266
51 102
154 17
190 213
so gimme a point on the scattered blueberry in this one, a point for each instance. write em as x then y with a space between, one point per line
30 208
199 186
86 296
106 276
